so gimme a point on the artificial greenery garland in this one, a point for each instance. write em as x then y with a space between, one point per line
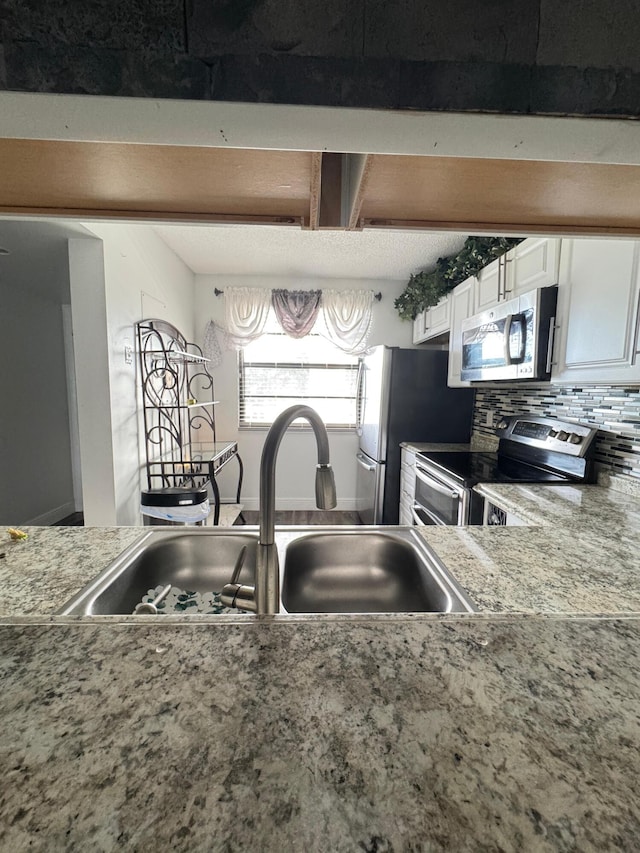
427 288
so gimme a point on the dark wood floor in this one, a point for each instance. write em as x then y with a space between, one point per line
76 519
305 517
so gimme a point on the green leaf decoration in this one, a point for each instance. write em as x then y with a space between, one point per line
427 288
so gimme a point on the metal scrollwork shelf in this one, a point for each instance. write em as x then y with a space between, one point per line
179 413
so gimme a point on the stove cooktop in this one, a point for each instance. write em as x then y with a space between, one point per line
469 468
532 449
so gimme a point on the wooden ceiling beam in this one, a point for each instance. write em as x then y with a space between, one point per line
503 229
314 190
516 194
161 180
360 166
331 191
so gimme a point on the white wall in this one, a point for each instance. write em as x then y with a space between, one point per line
297 458
35 449
142 277
35 457
91 353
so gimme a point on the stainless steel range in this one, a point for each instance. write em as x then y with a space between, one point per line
531 450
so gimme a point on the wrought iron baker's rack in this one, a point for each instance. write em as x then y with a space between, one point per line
179 412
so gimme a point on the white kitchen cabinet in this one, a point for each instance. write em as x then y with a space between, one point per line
597 334
489 286
462 306
432 322
532 263
407 485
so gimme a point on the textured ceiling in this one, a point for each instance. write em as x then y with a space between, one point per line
288 251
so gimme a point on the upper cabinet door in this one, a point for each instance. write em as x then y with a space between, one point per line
419 328
432 322
488 289
598 312
533 263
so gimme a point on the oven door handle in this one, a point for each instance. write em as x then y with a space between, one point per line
436 485
419 522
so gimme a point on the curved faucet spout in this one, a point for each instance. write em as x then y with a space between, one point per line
265 596
267 591
325 484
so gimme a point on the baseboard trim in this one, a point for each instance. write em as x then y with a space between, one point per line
51 516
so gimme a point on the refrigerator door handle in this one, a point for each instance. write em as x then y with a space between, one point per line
359 396
362 461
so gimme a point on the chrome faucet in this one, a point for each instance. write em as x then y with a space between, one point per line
264 597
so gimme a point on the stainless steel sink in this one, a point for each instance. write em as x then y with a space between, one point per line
365 570
324 570
195 560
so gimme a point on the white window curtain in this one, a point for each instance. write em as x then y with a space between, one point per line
211 347
348 318
246 312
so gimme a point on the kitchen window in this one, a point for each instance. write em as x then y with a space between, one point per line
278 371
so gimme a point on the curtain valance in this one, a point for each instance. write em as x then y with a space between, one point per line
296 310
346 317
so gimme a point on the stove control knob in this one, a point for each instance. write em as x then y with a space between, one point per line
574 438
553 433
562 435
502 424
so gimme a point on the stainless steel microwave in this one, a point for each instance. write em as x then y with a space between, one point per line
512 340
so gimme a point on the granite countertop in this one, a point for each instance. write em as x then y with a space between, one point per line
426 447
39 574
580 555
477 732
466 734
479 442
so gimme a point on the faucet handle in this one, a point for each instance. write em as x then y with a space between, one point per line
239 564
325 487
235 594
239 595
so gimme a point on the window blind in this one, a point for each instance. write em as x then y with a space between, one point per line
277 371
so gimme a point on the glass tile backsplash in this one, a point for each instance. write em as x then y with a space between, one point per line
614 410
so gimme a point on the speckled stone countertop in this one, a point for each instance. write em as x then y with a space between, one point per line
479 442
425 447
41 573
481 732
465 734
581 555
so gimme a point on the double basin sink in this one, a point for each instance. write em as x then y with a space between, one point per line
353 570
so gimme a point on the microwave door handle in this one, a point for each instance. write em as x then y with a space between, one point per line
507 339
520 318
436 485
419 522
508 325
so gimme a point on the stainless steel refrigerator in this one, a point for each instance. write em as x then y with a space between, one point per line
403 396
